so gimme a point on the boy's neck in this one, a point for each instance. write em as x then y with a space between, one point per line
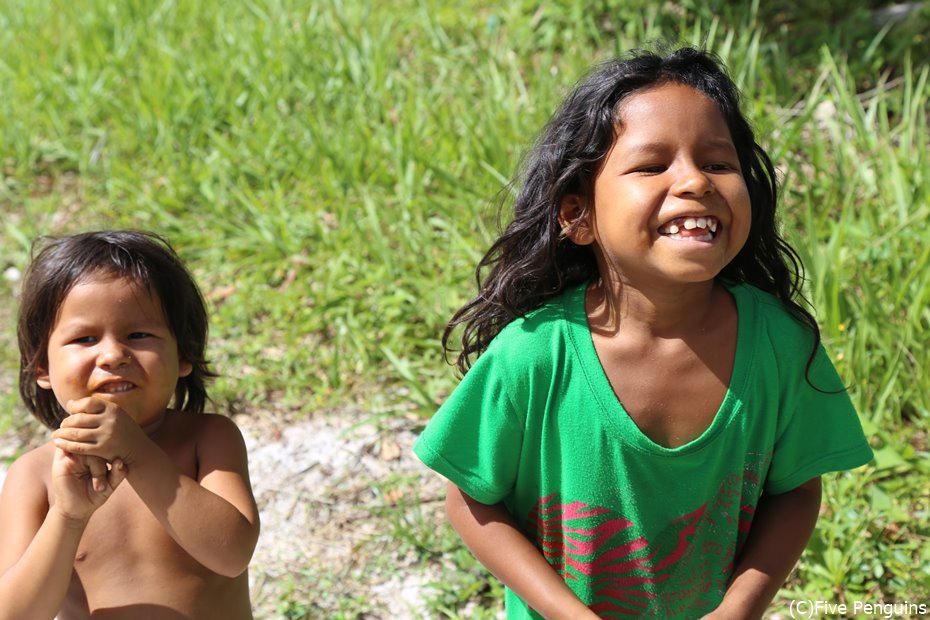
155 425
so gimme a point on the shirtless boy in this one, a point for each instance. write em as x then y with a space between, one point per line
140 506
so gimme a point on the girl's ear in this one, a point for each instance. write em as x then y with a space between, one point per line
184 368
575 220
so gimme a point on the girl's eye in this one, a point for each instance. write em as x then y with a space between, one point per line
84 340
656 169
718 167
138 335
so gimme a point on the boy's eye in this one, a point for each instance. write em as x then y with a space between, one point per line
139 335
84 340
718 167
655 169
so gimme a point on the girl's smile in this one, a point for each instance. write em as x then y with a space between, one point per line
670 201
698 228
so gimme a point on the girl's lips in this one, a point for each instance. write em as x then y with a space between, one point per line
698 228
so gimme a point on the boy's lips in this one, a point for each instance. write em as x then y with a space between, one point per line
114 386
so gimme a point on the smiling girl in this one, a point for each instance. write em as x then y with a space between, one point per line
637 434
140 506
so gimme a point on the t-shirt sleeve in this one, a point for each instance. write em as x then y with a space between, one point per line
820 433
475 438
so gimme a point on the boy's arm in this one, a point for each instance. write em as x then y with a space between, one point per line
493 536
213 518
37 542
780 530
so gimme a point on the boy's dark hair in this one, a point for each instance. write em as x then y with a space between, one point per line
533 260
143 257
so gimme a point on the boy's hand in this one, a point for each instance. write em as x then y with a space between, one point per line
79 487
100 428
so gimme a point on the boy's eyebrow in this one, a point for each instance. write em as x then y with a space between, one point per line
78 323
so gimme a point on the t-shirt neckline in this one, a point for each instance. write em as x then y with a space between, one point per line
612 408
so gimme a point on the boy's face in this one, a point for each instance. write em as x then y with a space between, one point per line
111 341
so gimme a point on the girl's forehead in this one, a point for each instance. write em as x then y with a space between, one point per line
670 109
667 98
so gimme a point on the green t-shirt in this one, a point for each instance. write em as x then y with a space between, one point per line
632 526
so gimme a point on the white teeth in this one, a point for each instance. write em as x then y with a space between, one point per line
113 388
690 223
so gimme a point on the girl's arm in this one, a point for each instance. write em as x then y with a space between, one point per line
37 542
493 536
780 530
213 518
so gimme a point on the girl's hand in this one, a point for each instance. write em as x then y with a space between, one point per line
100 428
81 484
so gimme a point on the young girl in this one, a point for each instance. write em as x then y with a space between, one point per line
134 509
645 426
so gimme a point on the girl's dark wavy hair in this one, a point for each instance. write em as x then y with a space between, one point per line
145 258
533 260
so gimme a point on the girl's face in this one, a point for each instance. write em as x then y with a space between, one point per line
111 341
670 202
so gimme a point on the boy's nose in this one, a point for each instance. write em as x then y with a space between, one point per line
113 354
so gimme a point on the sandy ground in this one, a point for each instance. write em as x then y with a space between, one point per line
331 490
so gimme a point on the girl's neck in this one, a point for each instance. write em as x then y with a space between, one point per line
657 311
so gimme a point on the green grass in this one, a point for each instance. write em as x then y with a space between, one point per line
329 170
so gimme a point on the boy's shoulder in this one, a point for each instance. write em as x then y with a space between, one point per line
201 429
35 462
183 421
31 471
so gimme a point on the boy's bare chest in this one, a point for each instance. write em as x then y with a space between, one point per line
124 528
127 557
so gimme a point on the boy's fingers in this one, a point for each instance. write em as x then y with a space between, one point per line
86 405
98 472
72 434
117 473
72 447
78 420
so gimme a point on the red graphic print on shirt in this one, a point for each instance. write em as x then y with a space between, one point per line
628 575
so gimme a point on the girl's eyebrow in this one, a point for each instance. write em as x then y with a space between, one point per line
719 142
652 148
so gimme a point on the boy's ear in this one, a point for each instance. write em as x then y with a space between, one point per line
184 368
42 378
575 220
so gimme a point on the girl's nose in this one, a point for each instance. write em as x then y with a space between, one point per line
113 354
692 181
